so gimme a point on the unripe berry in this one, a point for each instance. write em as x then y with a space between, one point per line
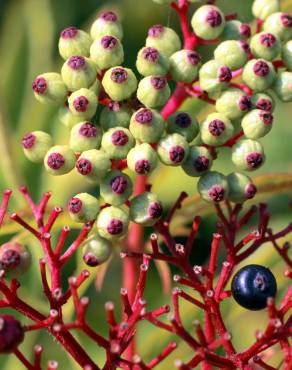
142 159
112 223
184 65
153 91
116 187
164 39
49 88
287 54
214 76
93 165
117 142
248 155
208 22
78 72
83 207
145 209
262 9
265 45
279 24
15 259
67 118
115 114
258 74
232 53
213 187
263 101
151 61
233 103
184 124
106 52
235 30
83 103
96 251
85 136
73 41
257 123
60 159
173 149
11 333
95 87
36 144
199 161
147 125
119 83
241 187
283 86
106 24
216 129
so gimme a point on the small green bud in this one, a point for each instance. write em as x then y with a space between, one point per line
147 125
208 22
67 118
248 155
106 52
106 24
265 45
96 251
258 74
279 24
78 72
119 83
235 30
142 159
60 159
73 41
262 9
35 145
112 223
93 165
241 187
216 129
173 150
214 76
115 114
184 65
49 88
199 161
184 124
145 209
15 259
283 86
153 91
287 54
232 53
164 39
83 103
83 207
213 187
151 61
233 103
116 187
263 101
117 142
85 136
257 123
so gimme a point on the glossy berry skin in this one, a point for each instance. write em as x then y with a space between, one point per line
153 91
264 8
173 149
232 53
263 101
85 136
280 24
208 22
83 207
265 45
216 129
248 155
214 76
93 164
183 123
107 52
36 144
119 83
142 159
106 24
151 61
112 223
117 142
213 187
235 30
147 125
116 187
252 285
199 161
164 39
257 123
241 187
287 55
49 88
258 74
184 65
73 41
83 103
96 251
233 103
11 333
283 86
78 72
145 209
15 259
59 159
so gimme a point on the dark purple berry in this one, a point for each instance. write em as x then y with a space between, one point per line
90 259
81 104
142 167
119 75
216 193
261 68
214 18
224 74
177 154
150 54
55 161
74 205
11 333
250 191
155 210
115 227
108 42
10 259
39 85
119 184
119 138
144 116
158 82
254 160
183 120
87 130
76 62
216 127
156 30
28 140
84 166
69 33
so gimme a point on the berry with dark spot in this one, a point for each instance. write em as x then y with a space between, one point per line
11 333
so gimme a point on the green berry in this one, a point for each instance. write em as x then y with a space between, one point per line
119 83
95 87
115 114
184 124
262 9
142 159
184 65
173 149
15 259
213 187
145 209
49 88
85 136
67 118
117 142
248 155
35 145
214 76
112 223
78 72
59 159
287 55
147 125
265 45
83 207
93 165
106 24
96 251
208 22
151 61
263 101
153 91
279 24
199 161
73 41
83 103
116 187
164 39
232 53
241 188
257 123
106 52
233 103
216 129
283 86
258 74
235 30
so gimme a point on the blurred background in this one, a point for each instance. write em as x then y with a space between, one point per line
29 31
